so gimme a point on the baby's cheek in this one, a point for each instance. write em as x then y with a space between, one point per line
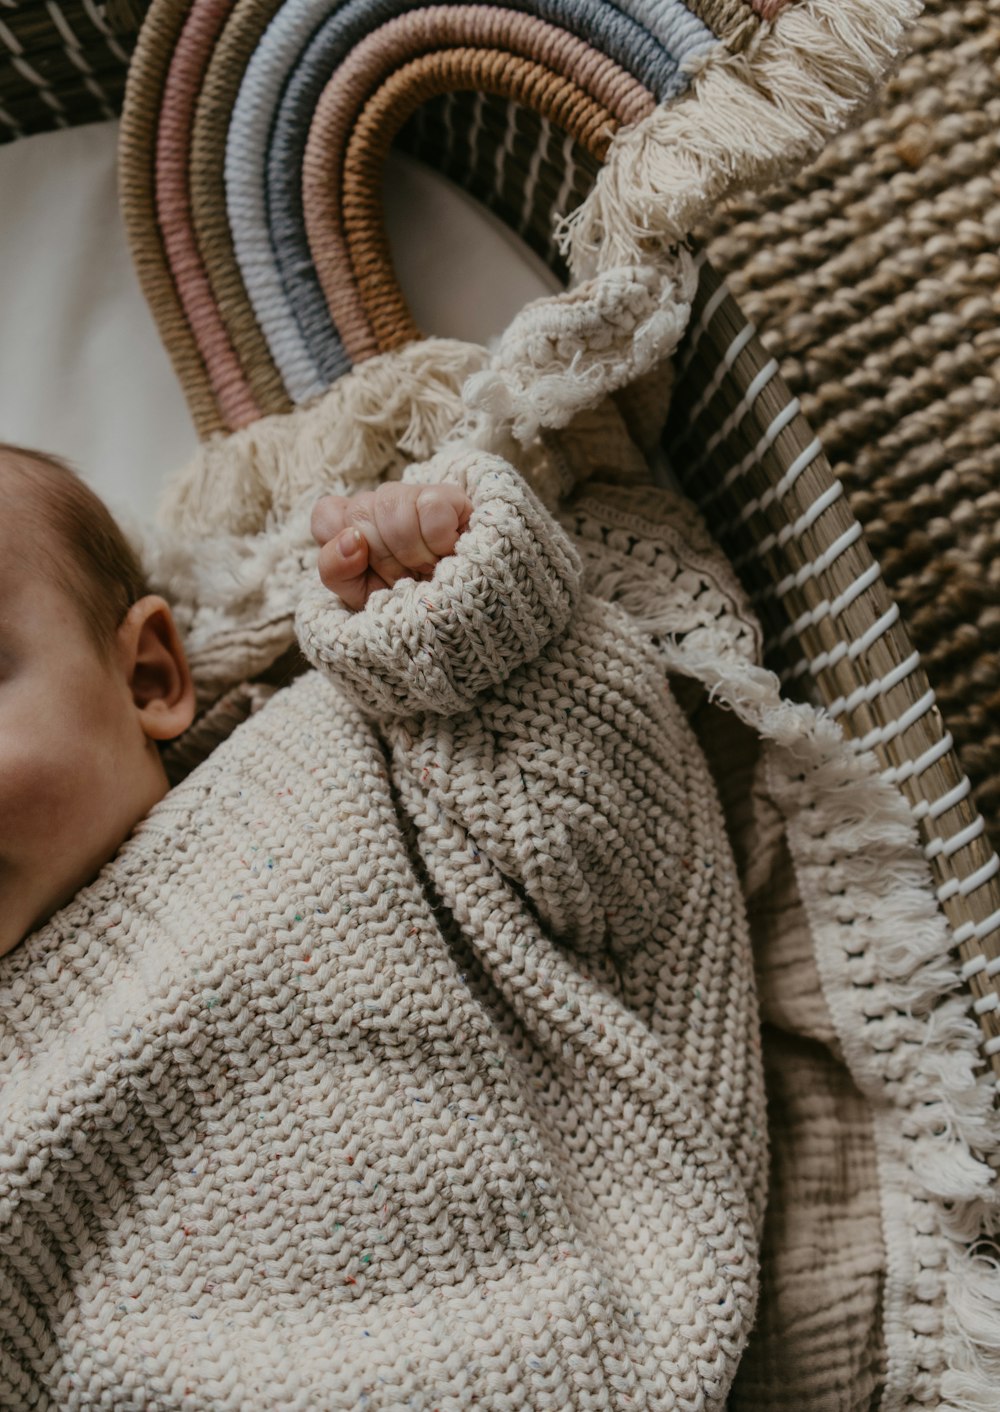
42 798
57 784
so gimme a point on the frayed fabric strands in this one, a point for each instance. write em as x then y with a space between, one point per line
560 357
392 410
745 118
563 354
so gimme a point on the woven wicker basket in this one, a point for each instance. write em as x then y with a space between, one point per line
63 62
253 142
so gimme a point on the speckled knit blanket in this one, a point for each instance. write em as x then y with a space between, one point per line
406 1055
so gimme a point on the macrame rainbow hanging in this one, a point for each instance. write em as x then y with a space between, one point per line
254 136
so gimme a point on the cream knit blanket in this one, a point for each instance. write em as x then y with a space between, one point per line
406 1055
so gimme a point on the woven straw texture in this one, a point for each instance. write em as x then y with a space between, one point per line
874 279
63 62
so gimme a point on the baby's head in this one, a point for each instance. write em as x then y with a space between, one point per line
92 676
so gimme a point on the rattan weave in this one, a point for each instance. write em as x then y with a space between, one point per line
750 460
62 62
875 281
507 157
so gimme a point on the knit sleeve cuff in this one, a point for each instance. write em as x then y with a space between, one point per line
509 587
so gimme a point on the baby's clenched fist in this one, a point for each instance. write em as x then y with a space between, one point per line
372 539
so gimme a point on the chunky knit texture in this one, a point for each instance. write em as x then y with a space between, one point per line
406 1055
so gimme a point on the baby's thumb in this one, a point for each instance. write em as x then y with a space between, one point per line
343 567
443 514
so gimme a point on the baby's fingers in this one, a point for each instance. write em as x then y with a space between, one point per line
396 548
374 538
343 567
329 517
443 513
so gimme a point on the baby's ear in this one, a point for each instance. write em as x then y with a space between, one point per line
157 669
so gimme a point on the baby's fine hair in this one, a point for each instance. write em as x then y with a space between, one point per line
96 565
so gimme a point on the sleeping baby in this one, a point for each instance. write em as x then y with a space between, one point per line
404 1053
81 725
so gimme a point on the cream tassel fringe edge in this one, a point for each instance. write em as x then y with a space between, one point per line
561 356
883 950
564 353
745 119
387 412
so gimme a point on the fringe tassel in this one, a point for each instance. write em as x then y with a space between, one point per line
972 1384
233 596
745 119
563 354
387 412
894 989
233 548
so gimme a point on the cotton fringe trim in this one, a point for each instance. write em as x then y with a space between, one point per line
560 356
232 548
894 989
745 119
233 596
387 412
563 354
